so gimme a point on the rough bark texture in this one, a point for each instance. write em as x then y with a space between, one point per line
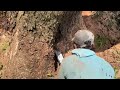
33 39
35 34
70 23
32 33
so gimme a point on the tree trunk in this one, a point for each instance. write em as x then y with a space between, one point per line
34 34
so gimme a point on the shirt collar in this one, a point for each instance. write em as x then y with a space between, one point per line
83 52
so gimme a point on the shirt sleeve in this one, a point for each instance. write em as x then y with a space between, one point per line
61 74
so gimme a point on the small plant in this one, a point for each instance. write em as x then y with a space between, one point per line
116 71
100 41
4 46
97 14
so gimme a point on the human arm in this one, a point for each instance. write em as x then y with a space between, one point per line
61 73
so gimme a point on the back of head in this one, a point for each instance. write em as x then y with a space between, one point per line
84 39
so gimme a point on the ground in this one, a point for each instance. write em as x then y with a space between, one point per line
112 55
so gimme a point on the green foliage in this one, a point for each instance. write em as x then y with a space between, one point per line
116 71
97 14
100 41
4 46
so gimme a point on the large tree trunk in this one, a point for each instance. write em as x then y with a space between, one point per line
34 36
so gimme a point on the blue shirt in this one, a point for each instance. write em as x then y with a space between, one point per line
85 64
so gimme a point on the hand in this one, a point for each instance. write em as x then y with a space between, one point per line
68 54
59 56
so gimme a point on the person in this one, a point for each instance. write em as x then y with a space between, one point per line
82 62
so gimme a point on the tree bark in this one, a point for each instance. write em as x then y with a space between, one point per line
34 34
